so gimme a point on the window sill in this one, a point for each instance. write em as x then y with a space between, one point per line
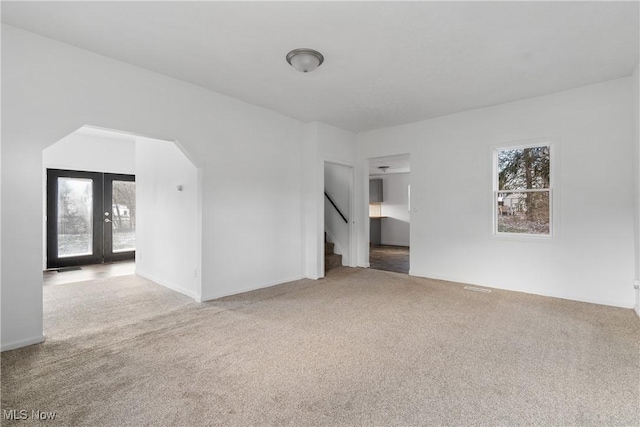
514 237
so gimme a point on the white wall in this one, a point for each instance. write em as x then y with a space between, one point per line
395 228
635 93
92 153
167 218
82 152
338 183
312 262
591 256
250 159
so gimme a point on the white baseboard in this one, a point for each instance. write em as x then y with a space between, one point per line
171 286
22 343
534 291
216 295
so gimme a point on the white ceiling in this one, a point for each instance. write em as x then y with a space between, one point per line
397 164
386 63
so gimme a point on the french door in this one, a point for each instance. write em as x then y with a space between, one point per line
91 217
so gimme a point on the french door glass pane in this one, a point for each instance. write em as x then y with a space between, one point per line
75 217
124 216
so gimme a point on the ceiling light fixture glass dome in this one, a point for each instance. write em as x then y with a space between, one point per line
305 60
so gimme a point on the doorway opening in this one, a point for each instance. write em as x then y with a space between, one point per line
121 204
339 247
89 195
390 213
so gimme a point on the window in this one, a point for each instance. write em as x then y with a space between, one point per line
522 191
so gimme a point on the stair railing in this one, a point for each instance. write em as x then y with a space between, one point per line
336 207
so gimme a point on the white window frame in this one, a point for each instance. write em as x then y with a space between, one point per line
552 184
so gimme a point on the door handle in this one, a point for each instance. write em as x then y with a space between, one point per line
107 220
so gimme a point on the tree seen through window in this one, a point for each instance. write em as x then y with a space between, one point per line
523 193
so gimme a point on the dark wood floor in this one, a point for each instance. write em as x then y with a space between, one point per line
89 272
389 258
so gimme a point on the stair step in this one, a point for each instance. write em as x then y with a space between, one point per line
328 248
332 261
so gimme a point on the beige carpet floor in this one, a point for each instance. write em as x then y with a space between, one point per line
361 347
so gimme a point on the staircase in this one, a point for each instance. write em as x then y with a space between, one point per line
331 260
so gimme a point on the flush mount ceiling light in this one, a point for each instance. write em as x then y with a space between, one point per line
305 60
383 168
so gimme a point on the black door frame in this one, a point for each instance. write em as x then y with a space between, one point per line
102 236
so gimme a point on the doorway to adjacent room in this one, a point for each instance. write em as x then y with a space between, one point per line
389 213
